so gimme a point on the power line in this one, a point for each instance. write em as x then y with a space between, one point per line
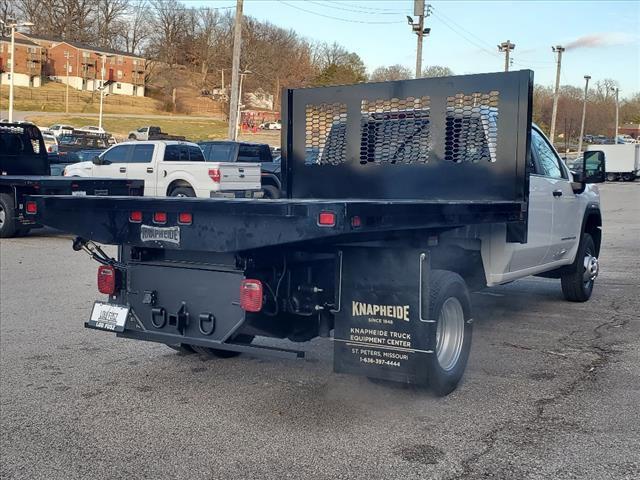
355 9
337 18
457 31
373 9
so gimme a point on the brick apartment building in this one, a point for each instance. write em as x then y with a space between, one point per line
29 59
124 73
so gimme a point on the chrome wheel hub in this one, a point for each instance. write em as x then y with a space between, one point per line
450 333
591 268
2 216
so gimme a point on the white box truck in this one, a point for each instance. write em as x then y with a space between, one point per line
622 161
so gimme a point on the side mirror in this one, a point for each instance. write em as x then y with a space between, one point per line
593 167
97 160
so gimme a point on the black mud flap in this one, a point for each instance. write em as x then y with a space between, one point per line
381 329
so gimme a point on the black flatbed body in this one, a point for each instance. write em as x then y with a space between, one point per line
231 225
70 184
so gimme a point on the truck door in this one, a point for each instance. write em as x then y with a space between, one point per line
540 225
115 163
142 167
566 220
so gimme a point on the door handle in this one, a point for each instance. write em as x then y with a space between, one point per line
557 193
123 170
164 172
149 170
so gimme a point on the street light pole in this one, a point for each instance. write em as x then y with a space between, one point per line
617 91
584 112
557 49
418 27
239 117
104 59
506 47
67 56
13 62
13 25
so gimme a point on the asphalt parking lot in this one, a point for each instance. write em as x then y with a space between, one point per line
552 389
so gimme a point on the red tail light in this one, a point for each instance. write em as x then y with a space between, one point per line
107 279
327 219
31 207
185 218
251 295
160 217
214 174
135 216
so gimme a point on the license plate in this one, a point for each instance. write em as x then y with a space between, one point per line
106 316
79 193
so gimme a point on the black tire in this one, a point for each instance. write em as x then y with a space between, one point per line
271 191
132 137
612 177
574 286
223 353
182 348
628 177
8 225
445 374
182 192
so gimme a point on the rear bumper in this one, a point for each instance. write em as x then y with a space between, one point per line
237 194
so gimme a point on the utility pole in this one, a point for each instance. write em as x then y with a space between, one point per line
557 49
506 47
584 112
418 27
616 90
234 100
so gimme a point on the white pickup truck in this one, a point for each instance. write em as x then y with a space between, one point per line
172 168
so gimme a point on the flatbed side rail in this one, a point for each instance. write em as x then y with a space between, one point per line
231 225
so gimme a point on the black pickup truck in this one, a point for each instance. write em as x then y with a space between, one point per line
401 198
25 170
230 151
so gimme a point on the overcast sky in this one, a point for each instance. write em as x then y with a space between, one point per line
603 37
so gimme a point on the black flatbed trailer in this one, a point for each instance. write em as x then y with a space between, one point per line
374 174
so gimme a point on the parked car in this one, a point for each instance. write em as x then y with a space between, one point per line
171 168
271 126
91 129
624 138
59 129
245 152
151 133
51 143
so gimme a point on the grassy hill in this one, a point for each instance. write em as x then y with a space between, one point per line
51 98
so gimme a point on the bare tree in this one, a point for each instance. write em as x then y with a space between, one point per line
168 30
436 71
109 14
392 72
7 11
133 28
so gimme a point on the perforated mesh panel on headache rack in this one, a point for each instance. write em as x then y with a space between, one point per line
460 138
